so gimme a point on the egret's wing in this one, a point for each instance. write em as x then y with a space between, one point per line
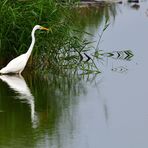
16 64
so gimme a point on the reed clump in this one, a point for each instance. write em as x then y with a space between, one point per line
17 19
61 48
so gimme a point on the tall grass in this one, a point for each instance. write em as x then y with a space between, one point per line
18 18
52 48
60 48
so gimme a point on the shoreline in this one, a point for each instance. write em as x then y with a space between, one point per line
92 3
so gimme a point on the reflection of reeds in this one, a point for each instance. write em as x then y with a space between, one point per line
120 55
93 16
53 96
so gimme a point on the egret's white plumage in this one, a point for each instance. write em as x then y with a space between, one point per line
18 64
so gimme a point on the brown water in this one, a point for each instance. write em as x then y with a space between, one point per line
91 111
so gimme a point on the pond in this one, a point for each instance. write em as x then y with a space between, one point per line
109 109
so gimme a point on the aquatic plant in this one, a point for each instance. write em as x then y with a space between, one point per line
60 47
18 18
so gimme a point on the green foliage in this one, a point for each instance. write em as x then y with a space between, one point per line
18 18
57 48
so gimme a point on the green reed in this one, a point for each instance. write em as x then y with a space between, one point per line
61 48
17 19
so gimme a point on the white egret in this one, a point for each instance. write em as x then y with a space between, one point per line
18 64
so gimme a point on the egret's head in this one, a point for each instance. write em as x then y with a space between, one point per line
40 28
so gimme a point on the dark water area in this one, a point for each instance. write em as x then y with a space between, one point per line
109 109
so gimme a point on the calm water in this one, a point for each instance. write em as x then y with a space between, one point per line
107 110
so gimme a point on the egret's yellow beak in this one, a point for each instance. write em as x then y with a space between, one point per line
43 28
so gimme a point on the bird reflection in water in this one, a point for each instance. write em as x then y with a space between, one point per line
18 84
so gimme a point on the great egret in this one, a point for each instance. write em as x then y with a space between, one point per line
18 64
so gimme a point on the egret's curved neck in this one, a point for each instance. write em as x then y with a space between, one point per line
32 43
